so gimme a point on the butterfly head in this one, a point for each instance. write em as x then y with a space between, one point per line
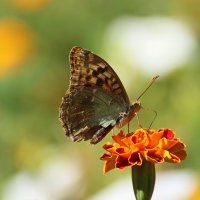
135 106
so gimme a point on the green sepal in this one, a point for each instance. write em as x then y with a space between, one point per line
143 179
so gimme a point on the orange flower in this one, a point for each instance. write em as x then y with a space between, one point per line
16 44
151 145
30 5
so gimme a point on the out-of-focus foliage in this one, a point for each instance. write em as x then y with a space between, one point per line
35 39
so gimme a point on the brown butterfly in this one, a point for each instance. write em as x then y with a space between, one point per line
96 100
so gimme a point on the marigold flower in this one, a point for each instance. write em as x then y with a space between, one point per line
155 146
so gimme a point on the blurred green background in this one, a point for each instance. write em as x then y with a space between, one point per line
35 39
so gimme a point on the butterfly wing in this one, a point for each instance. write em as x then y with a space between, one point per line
94 100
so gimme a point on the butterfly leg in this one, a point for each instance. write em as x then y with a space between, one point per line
128 127
153 119
138 120
155 115
100 134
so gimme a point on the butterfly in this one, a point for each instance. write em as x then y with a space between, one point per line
96 100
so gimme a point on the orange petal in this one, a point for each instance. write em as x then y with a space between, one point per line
177 147
107 145
155 156
127 140
154 139
106 156
123 152
173 158
167 133
140 139
111 147
109 162
118 138
150 132
167 144
122 162
135 159
181 154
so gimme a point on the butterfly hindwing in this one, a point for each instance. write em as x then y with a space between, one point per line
96 96
89 111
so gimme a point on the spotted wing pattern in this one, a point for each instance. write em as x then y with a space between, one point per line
94 100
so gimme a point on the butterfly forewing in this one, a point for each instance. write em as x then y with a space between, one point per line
88 69
94 100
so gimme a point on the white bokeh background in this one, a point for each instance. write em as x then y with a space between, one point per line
155 45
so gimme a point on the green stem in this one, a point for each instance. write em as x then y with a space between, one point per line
143 179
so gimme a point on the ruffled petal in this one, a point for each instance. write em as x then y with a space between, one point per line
151 145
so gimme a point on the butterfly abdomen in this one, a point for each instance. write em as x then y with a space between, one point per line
100 134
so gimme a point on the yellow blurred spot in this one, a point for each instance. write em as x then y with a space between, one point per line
196 194
29 5
16 43
28 153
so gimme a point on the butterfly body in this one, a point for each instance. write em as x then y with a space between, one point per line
125 118
96 100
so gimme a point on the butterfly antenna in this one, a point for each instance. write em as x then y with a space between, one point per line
148 86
